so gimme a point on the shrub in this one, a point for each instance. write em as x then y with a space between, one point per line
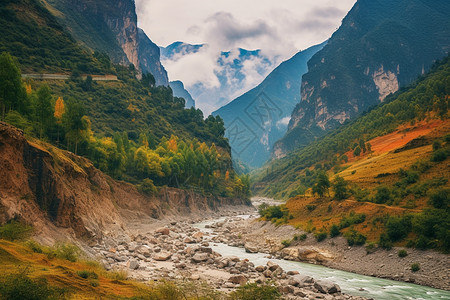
286 243
440 199
402 253
310 207
397 228
439 155
117 275
351 219
253 291
34 246
303 237
14 230
370 248
334 231
21 287
87 274
355 238
147 187
383 195
320 236
66 251
415 267
384 242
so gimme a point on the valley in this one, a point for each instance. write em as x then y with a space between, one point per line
289 150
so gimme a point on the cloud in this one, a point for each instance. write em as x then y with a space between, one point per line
280 29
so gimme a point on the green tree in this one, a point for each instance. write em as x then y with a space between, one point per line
73 123
43 109
12 91
357 151
340 188
322 184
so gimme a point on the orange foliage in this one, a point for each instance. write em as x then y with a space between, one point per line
172 144
59 110
227 175
28 89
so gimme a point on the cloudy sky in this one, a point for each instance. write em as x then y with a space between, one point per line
279 28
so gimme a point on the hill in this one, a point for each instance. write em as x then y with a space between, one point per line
381 46
274 99
383 177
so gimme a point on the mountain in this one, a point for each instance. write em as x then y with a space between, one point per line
381 46
259 118
179 49
223 76
411 118
111 27
179 91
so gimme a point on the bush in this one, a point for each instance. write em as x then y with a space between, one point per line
355 238
310 207
334 231
253 291
286 243
415 267
351 219
21 287
87 274
397 228
66 251
117 275
14 230
384 242
34 246
303 237
320 236
383 195
439 155
402 253
440 199
370 248
147 187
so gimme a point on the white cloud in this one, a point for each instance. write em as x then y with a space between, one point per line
279 28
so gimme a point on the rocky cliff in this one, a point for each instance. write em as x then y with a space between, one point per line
380 46
62 194
111 27
179 91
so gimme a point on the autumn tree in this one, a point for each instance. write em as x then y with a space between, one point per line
322 184
73 123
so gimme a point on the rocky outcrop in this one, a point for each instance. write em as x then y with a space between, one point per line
64 195
150 59
380 46
111 27
179 91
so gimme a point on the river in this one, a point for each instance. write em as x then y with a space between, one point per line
350 283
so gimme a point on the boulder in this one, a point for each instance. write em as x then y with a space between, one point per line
163 231
249 248
267 273
300 280
327 287
162 256
238 279
198 235
272 266
133 265
286 289
199 257
260 268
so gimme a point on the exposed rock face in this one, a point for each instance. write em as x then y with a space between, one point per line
63 195
111 27
179 91
149 59
380 46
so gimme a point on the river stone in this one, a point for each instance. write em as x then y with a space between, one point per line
300 280
260 268
286 289
198 235
250 248
199 257
163 256
238 279
133 265
272 266
290 273
206 250
267 273
327 287
163 230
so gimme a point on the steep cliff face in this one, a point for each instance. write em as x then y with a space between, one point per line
149 59
380 46
111 27
179 91
59 192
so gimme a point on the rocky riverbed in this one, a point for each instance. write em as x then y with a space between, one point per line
178 251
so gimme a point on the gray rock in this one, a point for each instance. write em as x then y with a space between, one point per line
251 248
238 279
133 265
163 256
163 231
300 280
199 257
327 287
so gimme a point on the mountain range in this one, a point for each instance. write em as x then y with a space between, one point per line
381 46
258 118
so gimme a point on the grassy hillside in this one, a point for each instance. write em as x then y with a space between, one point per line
33 35
381 178
425 99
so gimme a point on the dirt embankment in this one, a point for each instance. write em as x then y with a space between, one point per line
64 196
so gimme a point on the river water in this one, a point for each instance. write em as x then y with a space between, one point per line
350 283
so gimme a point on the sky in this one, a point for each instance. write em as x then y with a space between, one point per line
279 28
